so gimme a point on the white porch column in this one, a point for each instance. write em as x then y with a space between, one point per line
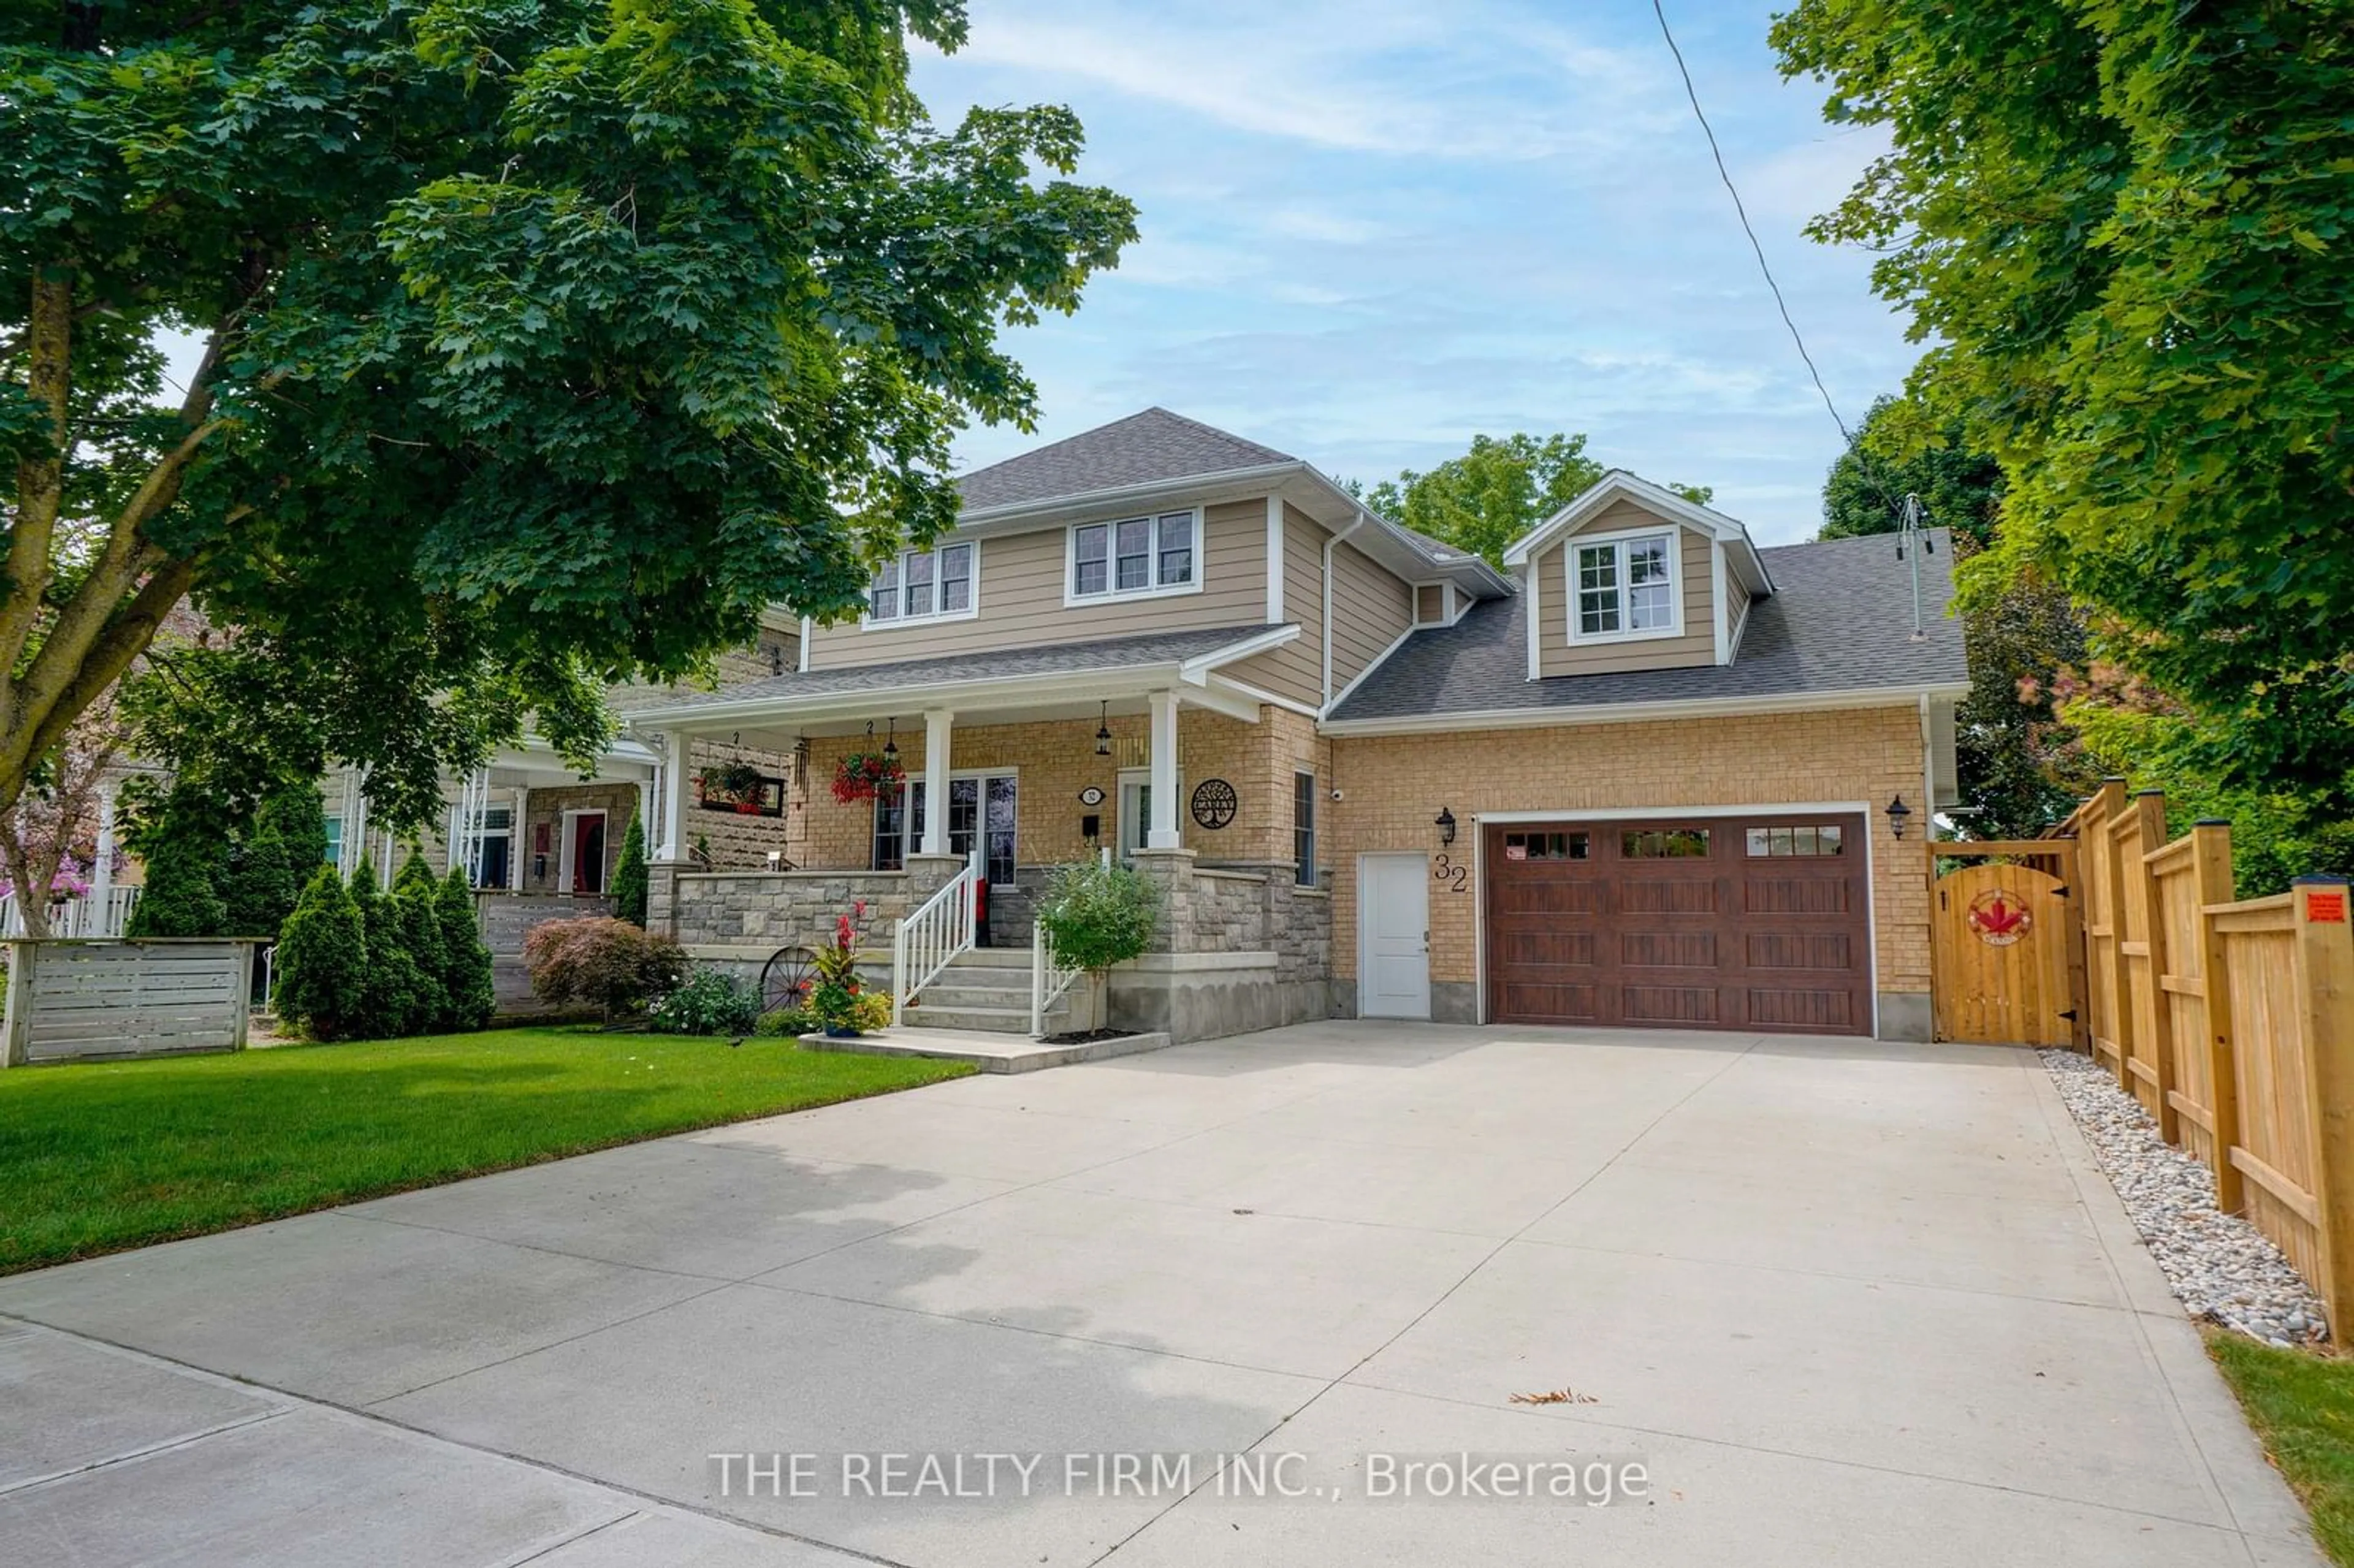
649 791
101 875
517 844
353 854
936 724
674 809
1161 831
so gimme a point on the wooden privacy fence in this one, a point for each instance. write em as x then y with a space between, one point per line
2231 1020
72 1000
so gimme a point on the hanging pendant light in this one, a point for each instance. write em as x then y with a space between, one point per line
1103 730
891 742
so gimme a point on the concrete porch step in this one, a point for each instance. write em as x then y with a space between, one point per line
982 1020
991 1053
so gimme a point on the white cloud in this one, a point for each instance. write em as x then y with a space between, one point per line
1469 81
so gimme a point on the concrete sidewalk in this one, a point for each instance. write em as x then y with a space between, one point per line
1846 1303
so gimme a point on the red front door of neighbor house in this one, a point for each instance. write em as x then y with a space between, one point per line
588 852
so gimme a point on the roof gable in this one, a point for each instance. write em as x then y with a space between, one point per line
1149 448
1620 485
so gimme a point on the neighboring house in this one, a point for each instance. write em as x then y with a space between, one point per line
1643 776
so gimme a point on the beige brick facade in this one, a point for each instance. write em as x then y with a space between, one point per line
1396 785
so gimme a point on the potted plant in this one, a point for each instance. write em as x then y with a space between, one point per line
844 1006
739 783
860 774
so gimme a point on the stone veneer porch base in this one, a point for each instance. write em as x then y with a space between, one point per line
989 1052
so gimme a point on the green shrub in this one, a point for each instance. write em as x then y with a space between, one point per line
389 997
466 967
322 963
1096 915
186 850
417 896
606 963
789 1022
269 868
629 875
712 1001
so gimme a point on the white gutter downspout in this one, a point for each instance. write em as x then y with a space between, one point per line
1356 523
1928 775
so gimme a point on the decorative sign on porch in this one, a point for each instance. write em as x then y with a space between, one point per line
1214 803
1999 918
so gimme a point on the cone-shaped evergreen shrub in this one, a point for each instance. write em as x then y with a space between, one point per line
466 961
323 960
630 877
419 894
389 999
186 851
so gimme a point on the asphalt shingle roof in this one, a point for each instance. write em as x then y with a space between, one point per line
1056 659
1842 620
1139 449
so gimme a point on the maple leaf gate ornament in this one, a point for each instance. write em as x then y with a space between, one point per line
1999 918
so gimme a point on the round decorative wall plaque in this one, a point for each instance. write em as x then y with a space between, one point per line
1090 795
1214 803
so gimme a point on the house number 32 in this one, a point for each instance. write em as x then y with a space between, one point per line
1451 874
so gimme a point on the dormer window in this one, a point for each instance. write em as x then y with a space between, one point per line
1133 557
923 585
1624 586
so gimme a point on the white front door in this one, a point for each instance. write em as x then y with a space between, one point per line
1392 935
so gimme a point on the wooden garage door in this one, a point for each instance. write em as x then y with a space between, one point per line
1708 923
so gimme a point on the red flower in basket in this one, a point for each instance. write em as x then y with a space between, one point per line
863 773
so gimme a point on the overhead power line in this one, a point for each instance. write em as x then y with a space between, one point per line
1864 459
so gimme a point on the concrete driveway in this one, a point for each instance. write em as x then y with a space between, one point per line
1841 1302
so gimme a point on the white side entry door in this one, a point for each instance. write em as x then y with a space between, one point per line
1392 935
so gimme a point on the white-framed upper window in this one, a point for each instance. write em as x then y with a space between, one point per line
1133 556
1625 586
924 585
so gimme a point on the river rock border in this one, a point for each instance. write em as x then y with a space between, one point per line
2221 1268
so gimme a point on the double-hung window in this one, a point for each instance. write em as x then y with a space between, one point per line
1303 828
1134 556
1623 587
923 585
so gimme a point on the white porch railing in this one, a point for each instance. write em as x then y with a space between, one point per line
79 916
933 936
1049 979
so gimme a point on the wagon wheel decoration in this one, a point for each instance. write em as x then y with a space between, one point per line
1214 803
785 978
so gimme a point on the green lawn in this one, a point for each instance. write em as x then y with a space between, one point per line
101 1156
2302 1407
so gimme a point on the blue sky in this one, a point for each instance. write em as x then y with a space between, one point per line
1374 228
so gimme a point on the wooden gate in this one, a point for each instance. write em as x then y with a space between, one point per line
2001 941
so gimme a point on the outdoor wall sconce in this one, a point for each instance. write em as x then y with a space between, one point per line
1103 729
1897 813
1445 823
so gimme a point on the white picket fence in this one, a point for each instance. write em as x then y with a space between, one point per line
75 915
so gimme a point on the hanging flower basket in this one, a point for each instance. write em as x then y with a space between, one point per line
863 773
737 784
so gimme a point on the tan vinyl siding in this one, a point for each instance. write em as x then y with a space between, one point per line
1371 609
1429 603
1556 655
1020 598
1297 669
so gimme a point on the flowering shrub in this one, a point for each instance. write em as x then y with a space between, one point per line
710 1002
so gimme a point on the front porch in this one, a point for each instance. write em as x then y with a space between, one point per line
1031 779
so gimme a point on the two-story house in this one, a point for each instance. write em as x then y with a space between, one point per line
1648 774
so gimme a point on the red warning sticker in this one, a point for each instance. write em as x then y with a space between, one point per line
2325 908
